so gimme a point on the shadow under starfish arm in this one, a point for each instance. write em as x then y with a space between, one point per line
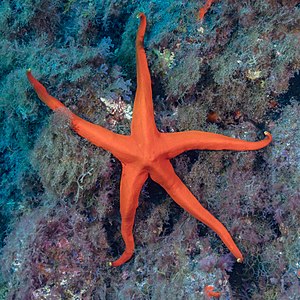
165 175
178 142
115 143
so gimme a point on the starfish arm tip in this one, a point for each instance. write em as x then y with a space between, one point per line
110 264
268 136
267 133
140 15
29 75
239 260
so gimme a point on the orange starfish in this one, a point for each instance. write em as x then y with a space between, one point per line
147 152
210 293
203 10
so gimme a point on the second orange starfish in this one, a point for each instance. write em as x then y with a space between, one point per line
147 152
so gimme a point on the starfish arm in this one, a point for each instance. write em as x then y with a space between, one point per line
117 144
203 10
143 123
178 142
164 175
132 180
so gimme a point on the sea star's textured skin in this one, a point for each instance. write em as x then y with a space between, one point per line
147 152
